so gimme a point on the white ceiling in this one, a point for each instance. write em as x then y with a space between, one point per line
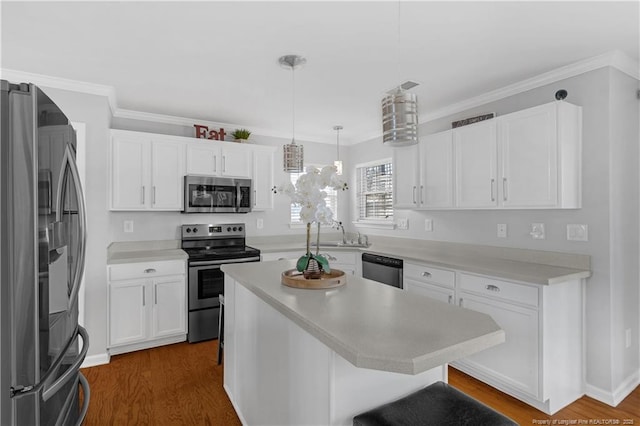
217 61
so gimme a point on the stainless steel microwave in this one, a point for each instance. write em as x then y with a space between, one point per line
211 194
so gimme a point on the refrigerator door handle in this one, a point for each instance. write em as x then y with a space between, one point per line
74 367
86 396
69 159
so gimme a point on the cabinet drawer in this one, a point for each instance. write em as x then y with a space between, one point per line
339 257
429 274
497 289
146 270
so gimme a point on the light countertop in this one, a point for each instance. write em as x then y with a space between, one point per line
144 251
528 266
373 325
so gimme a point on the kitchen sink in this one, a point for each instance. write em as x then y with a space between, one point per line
340 244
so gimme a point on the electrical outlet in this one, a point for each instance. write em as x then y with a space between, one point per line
259 223
577 232
502 230
128 226
428 225
403 223
627 338
537 231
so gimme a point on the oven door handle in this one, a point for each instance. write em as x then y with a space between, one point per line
224 262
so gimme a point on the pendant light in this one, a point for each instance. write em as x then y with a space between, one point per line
400 111
293 160
338 163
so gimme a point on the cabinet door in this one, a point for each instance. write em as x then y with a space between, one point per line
529 153
262 180
167 172
169 313
236 161
405 177
475 149
129 173
127 312
515 362
433 291
203 158
436 171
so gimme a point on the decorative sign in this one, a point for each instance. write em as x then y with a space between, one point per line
203 132
471 120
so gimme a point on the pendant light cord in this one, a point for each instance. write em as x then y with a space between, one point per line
293 103
399 45
338 143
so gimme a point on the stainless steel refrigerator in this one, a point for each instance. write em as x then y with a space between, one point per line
42 245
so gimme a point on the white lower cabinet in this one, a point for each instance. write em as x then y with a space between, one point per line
540 361
147 305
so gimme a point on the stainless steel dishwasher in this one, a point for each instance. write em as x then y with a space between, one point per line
383 269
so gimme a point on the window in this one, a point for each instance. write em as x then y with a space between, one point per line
374 191
331 200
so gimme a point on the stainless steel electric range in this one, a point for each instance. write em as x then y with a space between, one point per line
209 246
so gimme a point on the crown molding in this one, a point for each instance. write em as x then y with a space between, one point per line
63 83
615 59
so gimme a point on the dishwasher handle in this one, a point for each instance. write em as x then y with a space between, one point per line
382 260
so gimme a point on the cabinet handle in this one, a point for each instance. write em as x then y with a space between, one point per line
460 302
492 287
144 299
255 202
215 163
421 194
224 163
142 195
450 299
414 195
504 189
149 271
153 195
493 198
426 274
155 294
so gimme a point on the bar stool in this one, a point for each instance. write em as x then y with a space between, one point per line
436 405
220 328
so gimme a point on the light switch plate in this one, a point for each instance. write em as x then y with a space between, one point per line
577 232
128 226
428 225
403 223
502 230
259 223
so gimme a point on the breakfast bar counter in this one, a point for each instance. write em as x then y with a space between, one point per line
297 356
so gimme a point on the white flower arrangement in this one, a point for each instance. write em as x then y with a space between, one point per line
309 193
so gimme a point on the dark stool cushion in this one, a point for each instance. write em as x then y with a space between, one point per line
439 405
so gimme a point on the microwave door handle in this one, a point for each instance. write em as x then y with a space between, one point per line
238 196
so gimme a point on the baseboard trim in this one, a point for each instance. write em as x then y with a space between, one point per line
617 396
94 360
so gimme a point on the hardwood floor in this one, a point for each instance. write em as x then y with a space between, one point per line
182 385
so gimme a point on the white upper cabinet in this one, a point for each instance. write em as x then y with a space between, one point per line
436 171
214 158
475 164
146 174
405 177
263 178
529 159
540 157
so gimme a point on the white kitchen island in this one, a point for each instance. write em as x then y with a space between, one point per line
319 357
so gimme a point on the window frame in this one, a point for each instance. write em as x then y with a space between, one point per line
378 222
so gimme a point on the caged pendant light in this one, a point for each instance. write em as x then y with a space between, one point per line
338 163
293 159
400 111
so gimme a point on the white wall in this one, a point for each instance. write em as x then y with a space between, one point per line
610 209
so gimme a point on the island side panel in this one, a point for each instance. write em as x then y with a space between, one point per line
277 373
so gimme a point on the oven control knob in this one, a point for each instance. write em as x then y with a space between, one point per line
188 230
228 229
235 229
240 228
195 230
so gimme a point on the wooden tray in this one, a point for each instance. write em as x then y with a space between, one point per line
293 278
